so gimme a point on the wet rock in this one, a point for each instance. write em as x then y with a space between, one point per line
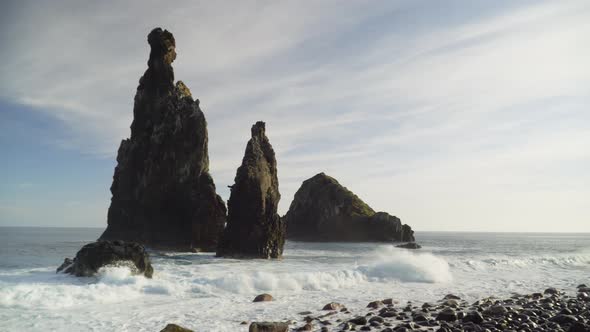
451 297
409 245
263 298
359 320
375 304
496 310
254 229
162 193
175 328
388 314
447 315
66 266
551 291
333 306
564 319
473 317
324 210
306 327
451 303
97 254
268 327
579 327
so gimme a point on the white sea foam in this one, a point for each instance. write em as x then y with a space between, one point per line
403 265
211 294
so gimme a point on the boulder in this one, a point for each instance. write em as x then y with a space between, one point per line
175 328
333 306
324 210
447 315
474 317
263 298
375 304
254 229
268 327
95 255
162 193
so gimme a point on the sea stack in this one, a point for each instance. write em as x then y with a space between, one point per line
163 195
254 229
324 210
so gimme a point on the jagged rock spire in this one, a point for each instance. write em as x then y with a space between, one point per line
254 229
163 195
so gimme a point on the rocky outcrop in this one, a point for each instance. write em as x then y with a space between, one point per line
163 195
254 229
324 210
409 245
95 255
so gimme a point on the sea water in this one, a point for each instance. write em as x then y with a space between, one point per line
205 293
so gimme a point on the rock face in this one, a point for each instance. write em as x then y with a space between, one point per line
163 195
324 210
254 229
95 255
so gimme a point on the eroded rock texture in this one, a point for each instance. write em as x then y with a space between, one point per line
254 229
97 254
324 210
163 195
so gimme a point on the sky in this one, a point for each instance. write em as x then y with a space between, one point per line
452 115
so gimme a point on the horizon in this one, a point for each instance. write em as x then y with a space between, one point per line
420 231
455 117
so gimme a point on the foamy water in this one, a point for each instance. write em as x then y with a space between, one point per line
206 293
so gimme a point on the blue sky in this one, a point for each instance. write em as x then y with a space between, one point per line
454 115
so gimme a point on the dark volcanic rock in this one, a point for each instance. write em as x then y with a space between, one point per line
95 255
409 245
324 210
263 298
175 328
268 327
254 229
163 195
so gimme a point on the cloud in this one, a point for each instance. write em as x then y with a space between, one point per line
413 105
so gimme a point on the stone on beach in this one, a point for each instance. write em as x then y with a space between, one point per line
175 328
263 298
268 327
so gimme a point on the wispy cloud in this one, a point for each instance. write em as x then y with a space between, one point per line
460 113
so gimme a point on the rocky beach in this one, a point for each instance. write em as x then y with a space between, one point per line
550 310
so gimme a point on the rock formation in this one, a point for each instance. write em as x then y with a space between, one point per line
95 255
163 195
324 210
254 229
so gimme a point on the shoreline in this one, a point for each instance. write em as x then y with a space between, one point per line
549 310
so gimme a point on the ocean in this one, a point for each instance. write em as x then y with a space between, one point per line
205 293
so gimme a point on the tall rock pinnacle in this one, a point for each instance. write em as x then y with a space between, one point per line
254 229
163 195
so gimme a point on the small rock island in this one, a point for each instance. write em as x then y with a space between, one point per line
254 228
163 195
324 210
